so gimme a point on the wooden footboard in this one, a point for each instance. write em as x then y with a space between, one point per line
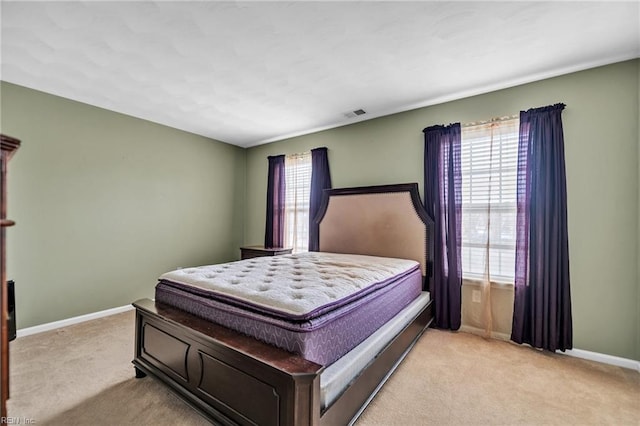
231 378
235 379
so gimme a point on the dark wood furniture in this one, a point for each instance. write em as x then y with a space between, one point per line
235 379
8 147
249 252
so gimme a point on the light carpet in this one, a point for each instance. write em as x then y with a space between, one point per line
82 375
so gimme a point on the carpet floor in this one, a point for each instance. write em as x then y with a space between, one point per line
82 375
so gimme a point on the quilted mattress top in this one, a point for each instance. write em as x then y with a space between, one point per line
297 286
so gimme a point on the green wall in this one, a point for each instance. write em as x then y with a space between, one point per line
105 203
601 143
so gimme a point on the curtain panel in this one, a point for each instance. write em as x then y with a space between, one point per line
320 180
443 201
542 304
274 229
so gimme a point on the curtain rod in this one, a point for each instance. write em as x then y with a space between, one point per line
298 154
491 121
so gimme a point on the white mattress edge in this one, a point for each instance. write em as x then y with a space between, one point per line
335 378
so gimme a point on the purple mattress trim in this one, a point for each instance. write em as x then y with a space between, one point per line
322 340
247 304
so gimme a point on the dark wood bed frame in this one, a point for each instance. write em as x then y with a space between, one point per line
235 379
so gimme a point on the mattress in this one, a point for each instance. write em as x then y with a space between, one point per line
317 305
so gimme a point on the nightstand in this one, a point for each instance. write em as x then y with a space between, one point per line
258 251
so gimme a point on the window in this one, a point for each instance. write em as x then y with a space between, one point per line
489 158
297 193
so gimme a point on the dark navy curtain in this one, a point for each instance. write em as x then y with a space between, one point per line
320 180
274 229
443 201
542 304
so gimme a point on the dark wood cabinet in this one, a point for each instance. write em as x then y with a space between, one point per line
8 148
248 252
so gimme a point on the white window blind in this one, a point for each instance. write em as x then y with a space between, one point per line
489 160
297 194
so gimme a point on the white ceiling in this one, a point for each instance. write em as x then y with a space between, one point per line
248 73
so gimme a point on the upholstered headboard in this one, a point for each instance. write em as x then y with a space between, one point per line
386 220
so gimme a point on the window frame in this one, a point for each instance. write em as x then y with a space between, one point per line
297 207
477 140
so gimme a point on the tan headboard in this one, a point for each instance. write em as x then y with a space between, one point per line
386 220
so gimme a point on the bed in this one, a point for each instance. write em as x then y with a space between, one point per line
233 378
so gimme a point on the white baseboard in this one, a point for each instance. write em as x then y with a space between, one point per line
71 321
604 358
577 353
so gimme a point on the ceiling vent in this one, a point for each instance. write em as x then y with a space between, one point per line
355 113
